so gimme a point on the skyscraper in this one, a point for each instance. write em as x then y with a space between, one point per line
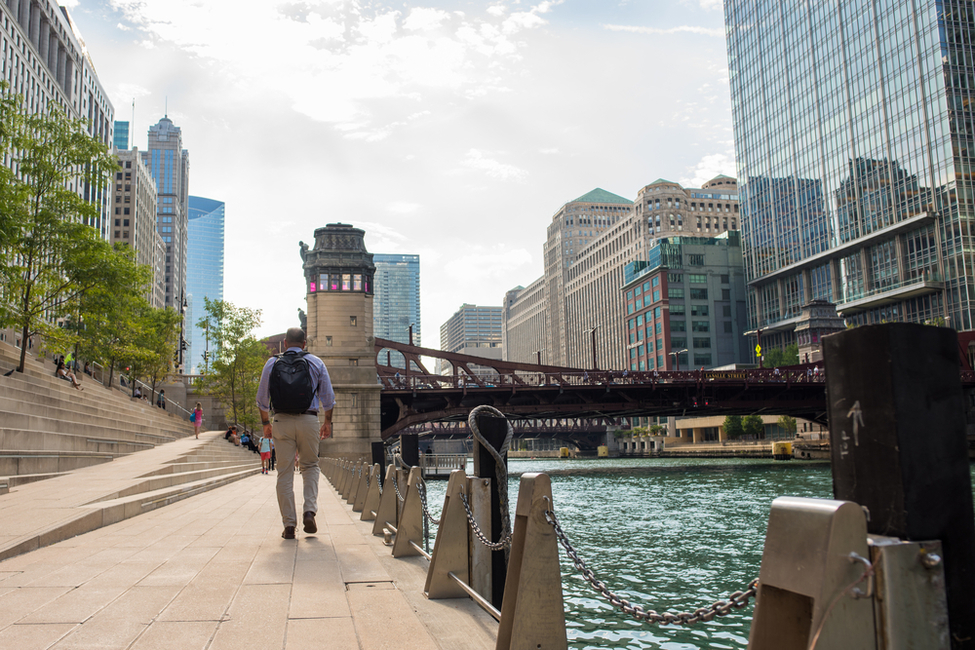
853 133
473 330
135 219
204 272
121 135
397 301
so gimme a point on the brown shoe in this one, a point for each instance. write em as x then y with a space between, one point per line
289 532
309 521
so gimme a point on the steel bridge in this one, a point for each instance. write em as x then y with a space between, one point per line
412 395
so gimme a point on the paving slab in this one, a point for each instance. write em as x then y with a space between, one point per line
212 572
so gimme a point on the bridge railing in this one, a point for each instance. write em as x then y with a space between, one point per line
601 378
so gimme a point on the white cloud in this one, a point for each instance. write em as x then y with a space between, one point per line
421 19
682 29
487 262
710 166
476 160
403 207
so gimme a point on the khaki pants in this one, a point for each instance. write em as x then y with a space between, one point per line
296 433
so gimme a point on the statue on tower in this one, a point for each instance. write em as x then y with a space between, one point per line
303 252
303 319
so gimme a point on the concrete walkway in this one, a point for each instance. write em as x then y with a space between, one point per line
212 572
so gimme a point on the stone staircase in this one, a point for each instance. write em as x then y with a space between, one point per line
47 427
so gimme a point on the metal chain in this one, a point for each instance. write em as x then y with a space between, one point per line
737 600
502 473
421 490
396 487
367 482
502 544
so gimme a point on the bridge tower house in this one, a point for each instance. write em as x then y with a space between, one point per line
339 293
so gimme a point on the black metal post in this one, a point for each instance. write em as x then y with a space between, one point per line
379 456
494 430
593 332
899 446
410 449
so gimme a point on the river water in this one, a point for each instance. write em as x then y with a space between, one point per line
667 534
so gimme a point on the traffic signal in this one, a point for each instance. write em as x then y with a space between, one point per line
182 344
206 355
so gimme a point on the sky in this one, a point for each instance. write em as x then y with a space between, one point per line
454 130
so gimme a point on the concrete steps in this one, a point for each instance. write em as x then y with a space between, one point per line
142 485
47 427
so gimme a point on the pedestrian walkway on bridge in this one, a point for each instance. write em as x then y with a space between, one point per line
211 571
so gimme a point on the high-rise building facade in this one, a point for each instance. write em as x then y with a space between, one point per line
396 305
853 129
685 304
168 163
44 59
121 135
473 330
590 242
134 219
204 273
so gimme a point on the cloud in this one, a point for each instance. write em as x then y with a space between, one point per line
421 19
710 166
403 207
682 29
476 160
487 262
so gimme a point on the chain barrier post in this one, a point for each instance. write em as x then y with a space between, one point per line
533 613
495 430
410 526
353 482
371 505
346 478
409 445
899 446
379 457
451 545
360 493
387 504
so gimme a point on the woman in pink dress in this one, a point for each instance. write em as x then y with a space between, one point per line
198 418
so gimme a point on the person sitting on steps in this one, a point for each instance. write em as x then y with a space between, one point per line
62 372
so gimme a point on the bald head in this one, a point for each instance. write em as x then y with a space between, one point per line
294 337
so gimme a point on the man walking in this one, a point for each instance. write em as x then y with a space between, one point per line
291 384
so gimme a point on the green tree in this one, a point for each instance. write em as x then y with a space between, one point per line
158 336
776 358
109 312
48 248
752 425
236 359
788 424
732 427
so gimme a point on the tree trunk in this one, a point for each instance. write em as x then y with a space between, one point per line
23 348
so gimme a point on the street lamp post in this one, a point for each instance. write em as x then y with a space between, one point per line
676 354
592 332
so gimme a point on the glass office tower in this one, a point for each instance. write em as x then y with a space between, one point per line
204 272
396 305
853 134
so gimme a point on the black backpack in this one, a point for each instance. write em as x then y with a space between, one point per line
290 383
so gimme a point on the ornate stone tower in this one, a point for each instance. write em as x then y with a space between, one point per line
339 284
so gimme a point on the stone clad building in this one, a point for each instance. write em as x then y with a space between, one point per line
339 276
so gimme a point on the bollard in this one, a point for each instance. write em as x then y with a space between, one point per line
387 505
409 528
494 430
410 449
379 457
354 482
360 493
371 504
451 546
899 447
806 566
533 614
344 480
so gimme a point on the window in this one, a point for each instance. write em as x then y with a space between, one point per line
677 310
695 260
656 281
724 279
639 321
697 278
125 211
659 328
656 312
656 296
355 400
118 222
678 326
646 286
353 362
702 342
629 295
346 281
700 326
352 321
675 278
726 294
639 303
699 294
638 291
125 222
328 341
702 360
677 293
699 310
678 344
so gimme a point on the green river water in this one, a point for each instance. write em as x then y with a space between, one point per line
667 534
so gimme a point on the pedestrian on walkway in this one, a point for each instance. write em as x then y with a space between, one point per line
297 386
197 417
